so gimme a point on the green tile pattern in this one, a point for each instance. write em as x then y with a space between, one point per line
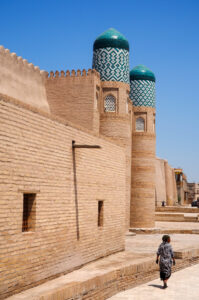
142 93
112 64
111 38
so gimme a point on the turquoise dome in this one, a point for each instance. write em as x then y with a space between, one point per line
142 73
111 38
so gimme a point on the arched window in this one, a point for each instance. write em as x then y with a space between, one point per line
140 124
110 103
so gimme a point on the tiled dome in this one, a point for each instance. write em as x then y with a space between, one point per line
111 38
142 86
141 72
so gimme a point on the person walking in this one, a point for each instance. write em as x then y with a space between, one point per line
165 253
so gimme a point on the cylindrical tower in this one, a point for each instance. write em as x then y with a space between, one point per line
111 60
142 94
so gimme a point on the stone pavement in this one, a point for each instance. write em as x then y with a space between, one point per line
183 285
148 243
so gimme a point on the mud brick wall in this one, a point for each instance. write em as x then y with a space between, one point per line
36 157
22 80
72 96
160 183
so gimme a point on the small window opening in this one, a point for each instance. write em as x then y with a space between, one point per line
110 103
154 125
29 212
100 213
96 101
127 106
140 124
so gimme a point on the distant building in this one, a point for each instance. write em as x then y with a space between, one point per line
193 191
187 192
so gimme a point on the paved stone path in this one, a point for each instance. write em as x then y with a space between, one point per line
183 285
148 244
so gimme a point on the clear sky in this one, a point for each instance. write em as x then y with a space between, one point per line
163 35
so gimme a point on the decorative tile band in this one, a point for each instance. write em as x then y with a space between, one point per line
112 64
142 93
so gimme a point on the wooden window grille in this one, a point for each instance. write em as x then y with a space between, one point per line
110 104
29 212
100 213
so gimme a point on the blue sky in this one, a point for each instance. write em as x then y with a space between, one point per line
163 35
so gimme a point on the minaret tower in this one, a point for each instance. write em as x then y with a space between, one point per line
142 94
111 60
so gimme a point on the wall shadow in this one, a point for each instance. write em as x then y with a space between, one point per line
76 195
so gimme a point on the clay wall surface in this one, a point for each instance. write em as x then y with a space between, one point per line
160 182
171 189
175 194
117 126
166 189
73 97
143 171
36 157
143 181
22 80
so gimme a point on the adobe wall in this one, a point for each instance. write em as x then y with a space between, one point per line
166 189
143 169
117 126
171 189
36 156
22 80
73 96
160 182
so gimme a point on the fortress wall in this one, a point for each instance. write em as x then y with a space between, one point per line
160 182
117 126
166 189
36 157
22 80
143 170
175 196
169 184
143 180
73 97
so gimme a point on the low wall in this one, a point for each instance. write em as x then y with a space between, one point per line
103 286
37 157
174 217
177 209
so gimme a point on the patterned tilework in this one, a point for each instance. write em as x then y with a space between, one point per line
142 93
112 64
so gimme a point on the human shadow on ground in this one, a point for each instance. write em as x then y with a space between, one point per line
157 286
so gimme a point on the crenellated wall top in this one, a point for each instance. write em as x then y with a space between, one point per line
14 59
22 80
72 73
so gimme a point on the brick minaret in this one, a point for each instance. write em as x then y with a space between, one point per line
111 60
142 94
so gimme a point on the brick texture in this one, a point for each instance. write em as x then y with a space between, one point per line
142 210
22 80
36 156
72 96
